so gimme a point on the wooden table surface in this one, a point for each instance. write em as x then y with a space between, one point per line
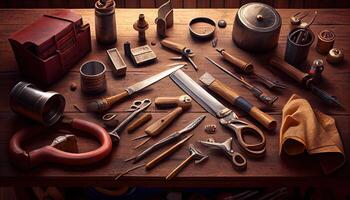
217 171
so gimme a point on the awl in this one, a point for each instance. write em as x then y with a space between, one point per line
103 104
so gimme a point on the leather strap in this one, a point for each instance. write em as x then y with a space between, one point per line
27 160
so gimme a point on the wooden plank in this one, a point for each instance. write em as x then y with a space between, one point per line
203 3
91 3
159 2
177 3
147 4
296 3
29 3
132 3
217 3
43 4
58 3
190 4
75 3
232 3
281 3
120 3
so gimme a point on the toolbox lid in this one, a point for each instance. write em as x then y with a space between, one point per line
41 33
259 17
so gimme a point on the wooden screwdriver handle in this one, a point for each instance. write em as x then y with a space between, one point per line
246 67
158 126
227 93
184 101
139 122
173 45
291 71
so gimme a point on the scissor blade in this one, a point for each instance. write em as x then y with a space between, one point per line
201 96
151 80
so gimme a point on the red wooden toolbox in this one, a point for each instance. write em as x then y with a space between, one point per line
48 48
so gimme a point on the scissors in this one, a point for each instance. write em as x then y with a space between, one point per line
238 160
137 107
242 128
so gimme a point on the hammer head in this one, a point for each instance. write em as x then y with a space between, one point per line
197 155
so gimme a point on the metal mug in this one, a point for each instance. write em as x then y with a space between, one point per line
93 77
44 107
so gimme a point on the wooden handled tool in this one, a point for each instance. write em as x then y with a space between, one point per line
245 67
227 93
182 102
173 45
291 71
139 122
166 153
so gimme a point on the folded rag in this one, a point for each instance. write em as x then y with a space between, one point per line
306 129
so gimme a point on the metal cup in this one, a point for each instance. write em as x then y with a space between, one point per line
44 107
297 53
93 77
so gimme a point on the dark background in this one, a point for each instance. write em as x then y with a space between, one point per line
176 3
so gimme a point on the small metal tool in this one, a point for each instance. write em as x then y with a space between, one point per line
186 52
195 154
307 24
297 17
248 69
168 139
260 95
238 160
137 107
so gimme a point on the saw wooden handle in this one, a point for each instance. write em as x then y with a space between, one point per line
242 65
158 126
183 101
139 122
173 45
291 71
227 93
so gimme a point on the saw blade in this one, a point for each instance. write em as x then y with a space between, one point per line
201 96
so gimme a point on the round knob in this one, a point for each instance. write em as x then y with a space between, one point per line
259 17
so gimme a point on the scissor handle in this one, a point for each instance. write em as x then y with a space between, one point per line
241 128
239 161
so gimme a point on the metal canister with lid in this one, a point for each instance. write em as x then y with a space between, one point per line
106 31
256 27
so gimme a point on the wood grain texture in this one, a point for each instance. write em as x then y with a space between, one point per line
271 170
177 3
190 3
203 3
148 4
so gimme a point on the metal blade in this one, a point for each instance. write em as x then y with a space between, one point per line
192 125
151 80
201 96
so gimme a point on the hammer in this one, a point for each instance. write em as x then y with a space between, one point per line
182 102
195 154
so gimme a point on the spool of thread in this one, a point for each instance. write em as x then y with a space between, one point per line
93 77
44 107
325 41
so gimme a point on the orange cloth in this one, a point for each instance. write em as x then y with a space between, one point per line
306 129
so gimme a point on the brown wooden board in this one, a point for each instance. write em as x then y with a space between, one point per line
232 3
147 4
132 3
177 3
190 4
203 3
217 4
271 170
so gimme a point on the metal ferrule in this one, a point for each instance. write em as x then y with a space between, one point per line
93 77
44 107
